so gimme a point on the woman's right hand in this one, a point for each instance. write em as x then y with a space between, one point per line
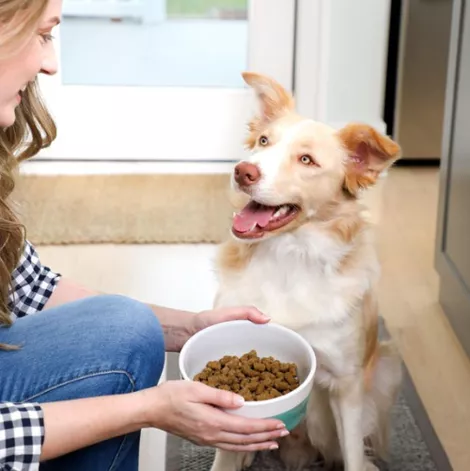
191 410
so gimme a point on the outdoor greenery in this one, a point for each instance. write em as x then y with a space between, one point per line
201 8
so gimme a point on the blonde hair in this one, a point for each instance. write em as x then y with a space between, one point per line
33 130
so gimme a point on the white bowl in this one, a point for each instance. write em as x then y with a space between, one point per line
239 337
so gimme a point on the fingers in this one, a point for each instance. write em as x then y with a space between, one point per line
247 313
218 397
253 439
242 425
252 447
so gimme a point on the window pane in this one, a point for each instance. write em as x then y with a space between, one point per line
200 43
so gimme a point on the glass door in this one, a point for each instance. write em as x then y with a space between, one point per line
159 80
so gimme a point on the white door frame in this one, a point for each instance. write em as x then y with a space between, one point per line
340 64
170 123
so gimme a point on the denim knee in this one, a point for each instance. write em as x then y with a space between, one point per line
138 336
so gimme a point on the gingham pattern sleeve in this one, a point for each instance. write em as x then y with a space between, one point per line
32 284
21 436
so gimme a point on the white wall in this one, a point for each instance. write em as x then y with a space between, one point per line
358 37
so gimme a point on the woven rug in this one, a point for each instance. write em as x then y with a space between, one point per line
85 209
414 445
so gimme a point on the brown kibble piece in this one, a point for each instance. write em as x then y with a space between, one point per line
281 385
289 378
254 378
225 360
214 365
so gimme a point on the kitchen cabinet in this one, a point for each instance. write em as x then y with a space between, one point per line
453 227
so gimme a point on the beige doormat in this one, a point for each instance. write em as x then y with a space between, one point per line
131 209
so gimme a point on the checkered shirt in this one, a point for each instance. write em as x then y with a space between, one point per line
32 284
22 425
21 436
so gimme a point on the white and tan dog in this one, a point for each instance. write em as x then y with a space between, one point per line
303 253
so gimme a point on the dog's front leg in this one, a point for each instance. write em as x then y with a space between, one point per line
347 402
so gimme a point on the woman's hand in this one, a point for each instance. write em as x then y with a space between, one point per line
191 410
207 318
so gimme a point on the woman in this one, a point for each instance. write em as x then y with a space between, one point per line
78 370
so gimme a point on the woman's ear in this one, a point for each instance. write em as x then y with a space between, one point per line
368 154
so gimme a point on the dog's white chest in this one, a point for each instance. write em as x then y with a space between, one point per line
295 280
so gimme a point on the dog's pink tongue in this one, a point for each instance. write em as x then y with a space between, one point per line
251 214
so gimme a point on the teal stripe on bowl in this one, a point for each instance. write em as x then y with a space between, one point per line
293 417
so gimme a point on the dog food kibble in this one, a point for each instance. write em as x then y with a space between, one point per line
254 378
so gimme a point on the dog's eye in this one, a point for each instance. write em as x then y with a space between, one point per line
307 160
263 141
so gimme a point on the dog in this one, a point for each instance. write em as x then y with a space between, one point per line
302 251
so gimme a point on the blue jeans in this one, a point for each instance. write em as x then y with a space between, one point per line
92 347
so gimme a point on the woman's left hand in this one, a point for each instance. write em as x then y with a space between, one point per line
207 318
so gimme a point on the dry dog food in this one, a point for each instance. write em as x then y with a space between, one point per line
254 378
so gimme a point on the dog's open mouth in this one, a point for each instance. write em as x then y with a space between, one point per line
255 219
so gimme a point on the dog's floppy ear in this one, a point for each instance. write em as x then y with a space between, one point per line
369 153
274 100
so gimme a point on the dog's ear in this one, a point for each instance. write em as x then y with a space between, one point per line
369 153
274 100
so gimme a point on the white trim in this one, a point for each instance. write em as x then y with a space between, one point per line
312 55
271 33
329 45
35 167
404 19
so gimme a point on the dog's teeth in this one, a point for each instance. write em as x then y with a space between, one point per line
253 227
282 211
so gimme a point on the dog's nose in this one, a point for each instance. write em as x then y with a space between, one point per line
247 174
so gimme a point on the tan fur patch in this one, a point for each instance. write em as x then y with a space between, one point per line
346 228
369 154
371 329
258 127
342 219
234 256
255 128
273 98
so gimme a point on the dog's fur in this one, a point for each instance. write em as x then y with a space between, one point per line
317 275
